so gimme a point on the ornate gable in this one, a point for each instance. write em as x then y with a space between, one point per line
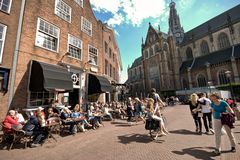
152 35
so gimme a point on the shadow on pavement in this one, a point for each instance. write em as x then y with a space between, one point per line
183 131
198 153
138 138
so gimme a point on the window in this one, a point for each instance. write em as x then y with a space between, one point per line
86 26
106 67
204 48
223 41
3 30
106 47
114 73
151 52
93 55
189 53
146 54
47 35
156 49
110 70
79 2
201 80
110 53
222 77
74 47
41 98
5 5
63 10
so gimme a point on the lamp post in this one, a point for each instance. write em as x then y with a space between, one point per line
228 75
209 85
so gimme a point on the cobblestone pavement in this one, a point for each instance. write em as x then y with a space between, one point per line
118 141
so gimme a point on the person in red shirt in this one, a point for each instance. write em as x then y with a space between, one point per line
10 120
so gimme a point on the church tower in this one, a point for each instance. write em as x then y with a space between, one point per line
175 27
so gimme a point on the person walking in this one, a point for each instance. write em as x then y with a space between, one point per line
194 107
207 112
222 112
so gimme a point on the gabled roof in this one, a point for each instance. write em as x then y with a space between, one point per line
212 58
137 62
214 24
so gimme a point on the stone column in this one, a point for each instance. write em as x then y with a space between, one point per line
235 70
189 78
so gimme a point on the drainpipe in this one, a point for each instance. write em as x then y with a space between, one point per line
16 52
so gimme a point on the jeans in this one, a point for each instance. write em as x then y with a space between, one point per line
207 117
197 121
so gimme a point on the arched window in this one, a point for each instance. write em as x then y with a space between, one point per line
156 49
223 41
204 48
151 52
222 77
189 53
146 54
165 47
184 84
201 80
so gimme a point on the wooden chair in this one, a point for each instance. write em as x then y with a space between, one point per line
17 135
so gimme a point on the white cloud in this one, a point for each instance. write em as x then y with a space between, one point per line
130 11
183 4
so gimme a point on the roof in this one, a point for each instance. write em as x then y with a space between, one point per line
212 58
215 24
137 62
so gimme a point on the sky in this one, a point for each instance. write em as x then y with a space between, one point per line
130 20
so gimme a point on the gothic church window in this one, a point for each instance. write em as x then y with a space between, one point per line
189 53
146 54
223 41
156 49
151 52
201 80
222 77
204 47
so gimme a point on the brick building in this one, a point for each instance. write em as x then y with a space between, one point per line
55 50
197 60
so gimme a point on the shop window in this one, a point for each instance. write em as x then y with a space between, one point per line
93 55
41 98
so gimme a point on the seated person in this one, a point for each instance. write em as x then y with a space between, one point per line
67 120
9 121
94 117
50 113
106 112
33 128
19 116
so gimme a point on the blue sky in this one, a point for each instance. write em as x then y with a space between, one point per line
130 20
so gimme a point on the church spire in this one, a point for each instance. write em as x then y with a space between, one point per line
174 23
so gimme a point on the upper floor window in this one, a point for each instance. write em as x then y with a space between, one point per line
3 30
93 55
151 52
222 77
110 70
201 81
204 48
146 54
106 47
223 41
106 67
63 10
47 35
79 2
74 47
5 5
86 26
156 49
114 73
189 53
110 53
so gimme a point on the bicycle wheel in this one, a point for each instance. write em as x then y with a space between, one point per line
154 133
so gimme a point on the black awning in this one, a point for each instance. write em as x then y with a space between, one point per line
98 84
4 75
49 77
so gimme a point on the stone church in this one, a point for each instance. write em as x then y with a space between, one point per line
204 58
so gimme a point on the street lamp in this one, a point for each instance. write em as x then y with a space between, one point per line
209 85
228 75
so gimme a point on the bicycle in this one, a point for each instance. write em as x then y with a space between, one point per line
154 128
